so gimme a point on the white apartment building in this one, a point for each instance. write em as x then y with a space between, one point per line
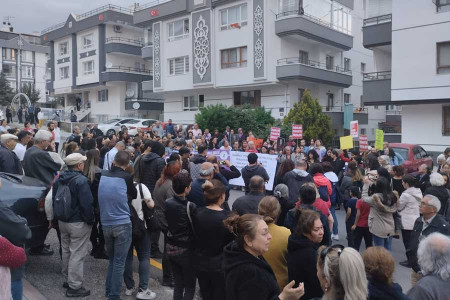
23 60
96 61
260 52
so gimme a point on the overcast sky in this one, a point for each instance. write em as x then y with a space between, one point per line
36 15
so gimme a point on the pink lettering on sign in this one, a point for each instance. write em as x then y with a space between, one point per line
275 133
297 131
363 143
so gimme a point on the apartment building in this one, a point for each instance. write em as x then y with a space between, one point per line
96 63
23 60
262 53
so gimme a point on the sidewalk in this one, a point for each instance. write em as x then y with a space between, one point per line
30 292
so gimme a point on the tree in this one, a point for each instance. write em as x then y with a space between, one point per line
6 91
32 93
316 124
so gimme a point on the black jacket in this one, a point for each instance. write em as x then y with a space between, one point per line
13 227
151 168
82 199
442 194
196 193
381 291
294 181
179 228
338 165
438 224
249 171
372 161
248 277
230 173
94 187
302 261
248 204
9 162
38 164
198 159
424 182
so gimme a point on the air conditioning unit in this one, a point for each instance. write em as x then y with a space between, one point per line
117 28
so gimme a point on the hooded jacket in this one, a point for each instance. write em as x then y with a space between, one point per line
442 193
302 261
294 181
249 171
408 207
382 291
248 277
321 180
151 168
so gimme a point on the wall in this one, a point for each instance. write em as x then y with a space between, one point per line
91 78
126 32
40 65
66 82
115 106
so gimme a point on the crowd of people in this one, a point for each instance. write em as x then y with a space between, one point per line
119 193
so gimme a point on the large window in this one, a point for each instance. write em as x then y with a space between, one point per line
233 17
347 99
64 73
179 65
9 70
178 30
446 120
8 54
193 103
27 56
347 64
88 41
63 48
103 96
252 98
304 57
88 67
330 62
27 72
233 58
443 58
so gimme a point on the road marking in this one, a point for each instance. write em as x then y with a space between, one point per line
153 262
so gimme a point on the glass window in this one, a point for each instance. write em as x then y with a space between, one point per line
403 152
88 67
88 40
178 30
233 17
103 96
363 67
27 72
288 6
64 73
193 103
234 58
8 54
347 64
443 58
252 98
347 98
304 57
363 131
27 56
63 48
330 62
9 70
179 65
446 120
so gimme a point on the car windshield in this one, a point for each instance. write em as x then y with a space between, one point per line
133 122
111 121
403 152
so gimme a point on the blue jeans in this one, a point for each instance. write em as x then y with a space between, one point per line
117 241
17 283
142 247
335 224
382 242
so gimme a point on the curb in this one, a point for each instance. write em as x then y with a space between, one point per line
30 292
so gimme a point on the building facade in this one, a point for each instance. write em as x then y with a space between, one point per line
96 65
262 53
23 61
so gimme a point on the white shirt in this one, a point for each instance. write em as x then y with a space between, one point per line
196 132
137 203
57 132
109 158
20 151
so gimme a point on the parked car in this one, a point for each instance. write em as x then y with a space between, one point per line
26 197
113 126
143 124
414 156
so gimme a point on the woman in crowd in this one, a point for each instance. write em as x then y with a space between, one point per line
287 155
385 162
341 273
320 149
281 192
327 156
397 179
395 159
302 253
438 189
28 128
71 147
180 237
211 237
322 183
276 256
383 204
286 166
334 197
264 150
408 208
226 145
247 274
313 158
241 135
213 144
300 153
440 162
380 266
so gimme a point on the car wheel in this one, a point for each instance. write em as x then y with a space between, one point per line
110 132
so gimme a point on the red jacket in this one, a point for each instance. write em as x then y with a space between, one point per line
11 256
321 180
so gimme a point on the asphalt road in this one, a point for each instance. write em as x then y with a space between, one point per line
43 272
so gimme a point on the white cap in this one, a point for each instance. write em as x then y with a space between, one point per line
6 137
74 159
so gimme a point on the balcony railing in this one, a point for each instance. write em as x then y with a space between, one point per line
377 75
129 70
312 63
356 110
312 18
378 20
54 27
122 40
144 100
151 4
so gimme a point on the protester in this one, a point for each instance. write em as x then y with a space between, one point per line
11 257
322 183
423 178
350 217
287 154
109 157
196 162
361 226
397 179
23 138
352 177
253 169
295 179
438 189
334 197
281 193
9 162
196 194
248 204
286 166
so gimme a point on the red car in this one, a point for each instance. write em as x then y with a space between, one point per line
414 156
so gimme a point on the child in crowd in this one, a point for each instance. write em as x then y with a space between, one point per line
355 195
360 226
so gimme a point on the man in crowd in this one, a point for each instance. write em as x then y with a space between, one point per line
170 128
253 169
51 127
423 178
295 179
158 129
109 157
372 159
196 193
75 136
115 191
338 163
75 230
24 137
9 162
95 131
428 223
196 162
248 204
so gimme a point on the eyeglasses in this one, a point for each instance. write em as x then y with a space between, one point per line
325 251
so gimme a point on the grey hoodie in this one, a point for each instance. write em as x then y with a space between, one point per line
294 180
249 171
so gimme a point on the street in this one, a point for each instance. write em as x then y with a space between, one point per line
43 272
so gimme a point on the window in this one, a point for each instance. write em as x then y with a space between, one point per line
179 65
178 30
252 98
443 58
361 102
330 62
233 17
27 56
330 103
347 99
88 40
27 72
304 57
233 58
193 103
363 67
363 131
64 73
442 5
103 96
9 70
446 120
8 54
300 94
376 107
88 67
63 48
347 64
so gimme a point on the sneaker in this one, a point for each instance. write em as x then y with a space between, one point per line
335 237
405 264
81 292
145 294
129 292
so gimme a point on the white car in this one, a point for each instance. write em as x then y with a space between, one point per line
113 126
143 124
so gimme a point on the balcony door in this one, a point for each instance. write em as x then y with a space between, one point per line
330 102
288 5
330 62
303 57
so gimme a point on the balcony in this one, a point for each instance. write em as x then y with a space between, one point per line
313 71
336 113
147 51
127 74
377 88
147 85
377 31
291 23
144 104
123 45
49 85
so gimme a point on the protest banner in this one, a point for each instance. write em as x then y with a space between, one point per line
269 162
297 131
346 142
379 139
354 129
221 154
275 132
258 142
363 143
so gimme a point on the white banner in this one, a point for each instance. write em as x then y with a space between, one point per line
269 162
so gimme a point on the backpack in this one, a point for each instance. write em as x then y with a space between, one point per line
334 193
323 192
62 204
138 227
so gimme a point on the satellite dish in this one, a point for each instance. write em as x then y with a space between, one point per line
108 64
136 105
130 93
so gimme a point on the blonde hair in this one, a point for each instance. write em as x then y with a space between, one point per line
269 208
